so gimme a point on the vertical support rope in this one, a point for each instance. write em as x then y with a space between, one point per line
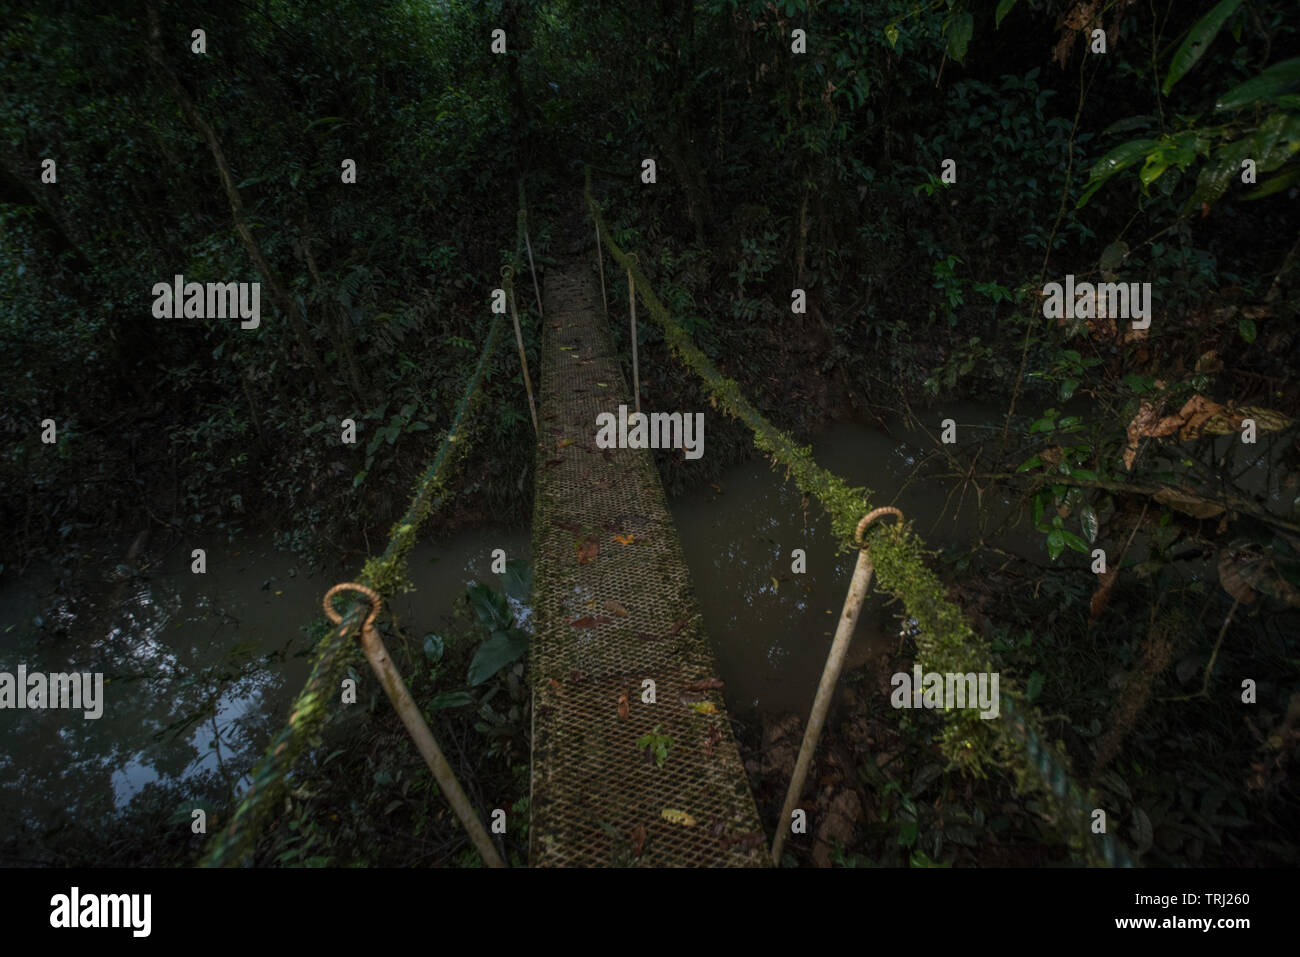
600 261
416 726
858 588
507 274
631 301
537 290
523 228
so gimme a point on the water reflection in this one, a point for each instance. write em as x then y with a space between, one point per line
198 669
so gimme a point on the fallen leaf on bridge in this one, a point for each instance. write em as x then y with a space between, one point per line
627 539
704 707
638 839
587 551
711 737
587 621
705 684
557 687
677 817
743 842
678 626
623 706
565 443
615 608
551 463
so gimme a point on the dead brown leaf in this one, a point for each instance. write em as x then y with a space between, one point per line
587 550
1189 504
623 709
638 839
678 626
557 687
1233 569
589 621
1101 597
705 684
614 608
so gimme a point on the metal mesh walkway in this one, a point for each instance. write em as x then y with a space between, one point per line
614 606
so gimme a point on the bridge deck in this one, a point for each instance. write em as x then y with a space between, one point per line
607 616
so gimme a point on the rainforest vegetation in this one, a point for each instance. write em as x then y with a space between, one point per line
922 169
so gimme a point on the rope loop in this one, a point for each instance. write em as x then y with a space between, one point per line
870 517
369 594
507 273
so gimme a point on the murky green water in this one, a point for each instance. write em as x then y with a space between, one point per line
771 627
199 669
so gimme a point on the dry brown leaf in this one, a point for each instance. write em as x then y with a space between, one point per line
1189 504
677 626
638 840
1232 564
614 608
1101 597
587 550
588 621
557 687
705 684
623 708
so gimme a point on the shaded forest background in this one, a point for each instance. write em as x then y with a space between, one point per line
817 170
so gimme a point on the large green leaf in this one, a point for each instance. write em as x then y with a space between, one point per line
518 579
1004 7
1088 522
491 606
960 29
1272 83
1121 157
1198 40
503 648
1276 141
1278 183
1218 174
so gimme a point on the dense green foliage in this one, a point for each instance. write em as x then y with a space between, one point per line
779 168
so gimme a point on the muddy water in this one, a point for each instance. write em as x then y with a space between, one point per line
199 669
771 627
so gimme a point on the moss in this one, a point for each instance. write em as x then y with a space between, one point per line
386 574
946 642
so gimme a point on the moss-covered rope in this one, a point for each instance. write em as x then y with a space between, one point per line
385 574
946 642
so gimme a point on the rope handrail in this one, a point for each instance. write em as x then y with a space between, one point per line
946 642
386 575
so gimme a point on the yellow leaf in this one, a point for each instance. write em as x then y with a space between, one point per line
565 443
704 707
627 539
677 817
776 585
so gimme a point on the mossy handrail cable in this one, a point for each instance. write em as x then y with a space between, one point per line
385 574
946 642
